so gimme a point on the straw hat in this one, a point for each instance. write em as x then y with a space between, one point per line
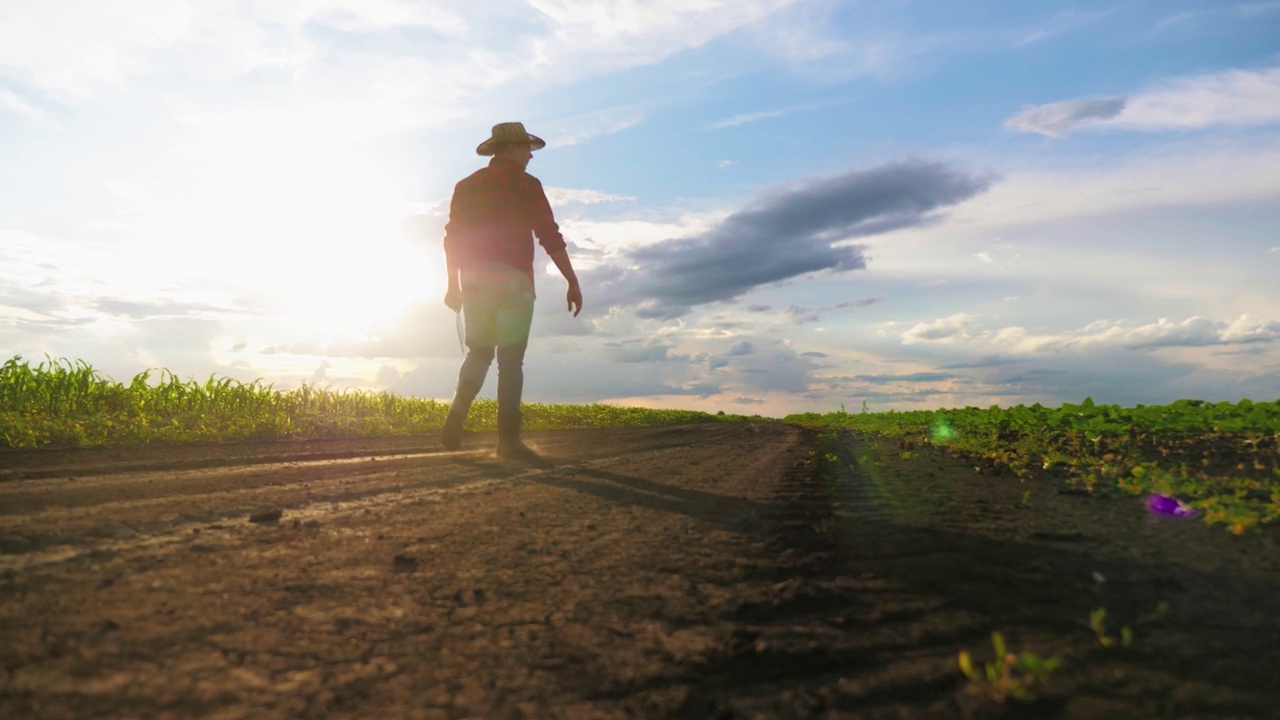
510 132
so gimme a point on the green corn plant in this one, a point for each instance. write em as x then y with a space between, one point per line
63 402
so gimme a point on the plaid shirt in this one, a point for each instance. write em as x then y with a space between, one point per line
492 214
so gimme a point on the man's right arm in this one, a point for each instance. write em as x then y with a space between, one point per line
452 236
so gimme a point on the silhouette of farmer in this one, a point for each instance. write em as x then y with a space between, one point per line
488 249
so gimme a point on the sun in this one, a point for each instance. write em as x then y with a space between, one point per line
323 237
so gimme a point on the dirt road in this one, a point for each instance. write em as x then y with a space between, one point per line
720 570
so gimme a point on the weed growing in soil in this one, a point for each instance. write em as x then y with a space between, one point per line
1008 675
1098 620
61 402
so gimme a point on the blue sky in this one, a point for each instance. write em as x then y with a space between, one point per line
774 205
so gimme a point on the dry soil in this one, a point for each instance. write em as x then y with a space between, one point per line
711 571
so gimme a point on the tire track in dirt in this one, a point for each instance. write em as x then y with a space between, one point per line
889 562
729 571
582 589
824 635
305 487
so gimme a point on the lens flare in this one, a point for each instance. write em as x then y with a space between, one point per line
1165 505
941 431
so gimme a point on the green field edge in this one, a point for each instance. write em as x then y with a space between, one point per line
66 403
1219 462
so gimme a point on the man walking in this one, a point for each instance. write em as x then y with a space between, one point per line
488 250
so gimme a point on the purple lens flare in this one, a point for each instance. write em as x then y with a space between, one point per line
1165 505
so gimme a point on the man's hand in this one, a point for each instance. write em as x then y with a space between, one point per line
453 298
574 299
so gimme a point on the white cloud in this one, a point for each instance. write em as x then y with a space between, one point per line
953 329
1237 97
1275 249
70 48
373 15
76 47
608 35
1060 118
1184 174
1247 328
744 118
1243 11
132 199
1062 22
14 102
1103 334
1233 98
802 33
613 236
558 196
580 128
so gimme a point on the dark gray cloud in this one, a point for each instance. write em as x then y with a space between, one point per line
774 368
729 325
645 353
925 377
1246 351
788 232
634 352
800 315
858 303
982 362
1033 375
1060 118
814 354
742 347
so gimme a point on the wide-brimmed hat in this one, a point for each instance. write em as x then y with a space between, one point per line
509 132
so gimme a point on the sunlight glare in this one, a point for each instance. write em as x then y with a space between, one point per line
322 233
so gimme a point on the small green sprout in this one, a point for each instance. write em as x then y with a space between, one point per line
1098 624
1162 609
1009 675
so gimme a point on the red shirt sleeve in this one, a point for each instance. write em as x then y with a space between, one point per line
544 222
454 228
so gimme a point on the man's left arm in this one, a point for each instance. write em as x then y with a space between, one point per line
574 297
549 236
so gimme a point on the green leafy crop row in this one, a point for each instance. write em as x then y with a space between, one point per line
1220 459
61 402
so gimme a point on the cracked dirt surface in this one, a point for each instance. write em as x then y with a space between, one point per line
719 570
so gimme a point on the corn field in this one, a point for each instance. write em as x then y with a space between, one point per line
62 402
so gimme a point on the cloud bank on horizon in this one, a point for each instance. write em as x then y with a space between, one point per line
775 205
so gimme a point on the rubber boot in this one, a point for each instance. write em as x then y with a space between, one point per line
451 435
510 447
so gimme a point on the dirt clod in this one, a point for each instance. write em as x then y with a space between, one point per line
404 563
267 516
